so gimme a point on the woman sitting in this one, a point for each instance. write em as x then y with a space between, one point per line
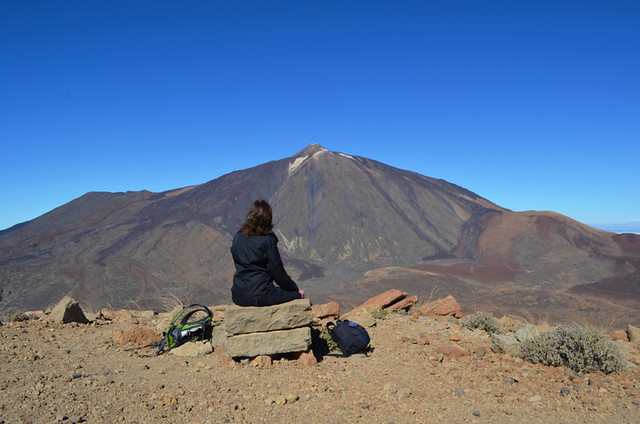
258 263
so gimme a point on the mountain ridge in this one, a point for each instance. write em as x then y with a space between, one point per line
337 216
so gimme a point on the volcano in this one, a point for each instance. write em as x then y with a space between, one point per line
348 227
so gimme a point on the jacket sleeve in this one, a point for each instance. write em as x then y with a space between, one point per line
276 268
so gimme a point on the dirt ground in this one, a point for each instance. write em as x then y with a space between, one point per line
78 373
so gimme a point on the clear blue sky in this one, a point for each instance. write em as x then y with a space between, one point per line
534 105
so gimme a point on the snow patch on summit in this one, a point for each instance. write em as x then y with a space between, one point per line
296 163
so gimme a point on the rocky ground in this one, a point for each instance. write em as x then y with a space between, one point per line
421 370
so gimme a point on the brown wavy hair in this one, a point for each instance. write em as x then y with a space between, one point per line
258 222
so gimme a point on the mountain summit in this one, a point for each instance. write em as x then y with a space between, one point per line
346 224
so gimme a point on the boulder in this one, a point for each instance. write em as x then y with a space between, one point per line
66 311
254 319
378 302
633 333
527 332
501 343
446 307
268 343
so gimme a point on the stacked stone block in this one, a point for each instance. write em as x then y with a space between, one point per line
268 330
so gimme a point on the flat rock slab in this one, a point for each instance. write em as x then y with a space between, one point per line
268 343
378 302
257 319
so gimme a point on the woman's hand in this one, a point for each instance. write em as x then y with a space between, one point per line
301 293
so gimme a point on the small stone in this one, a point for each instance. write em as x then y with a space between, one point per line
281 400
292 397
170 400
308 359
619 335
451 351
403 393
262 361
482 351
565 391
476 413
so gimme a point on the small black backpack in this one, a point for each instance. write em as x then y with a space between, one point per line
350 336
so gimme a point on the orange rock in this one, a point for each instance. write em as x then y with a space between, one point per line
405 303
331 309
262 361
136 336
225 358
108 314
378 302
308 359
451 351
119 315
448 306
36 314
619 335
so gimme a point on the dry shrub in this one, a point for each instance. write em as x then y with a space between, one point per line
483 321
579 348
20 316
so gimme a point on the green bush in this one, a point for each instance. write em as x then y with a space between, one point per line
579 348
484 321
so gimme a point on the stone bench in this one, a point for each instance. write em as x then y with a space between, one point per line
268 330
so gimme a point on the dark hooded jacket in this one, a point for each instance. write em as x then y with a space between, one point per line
258 266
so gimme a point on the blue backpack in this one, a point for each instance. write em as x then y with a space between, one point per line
350 336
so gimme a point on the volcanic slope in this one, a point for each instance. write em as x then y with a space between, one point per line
347 226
